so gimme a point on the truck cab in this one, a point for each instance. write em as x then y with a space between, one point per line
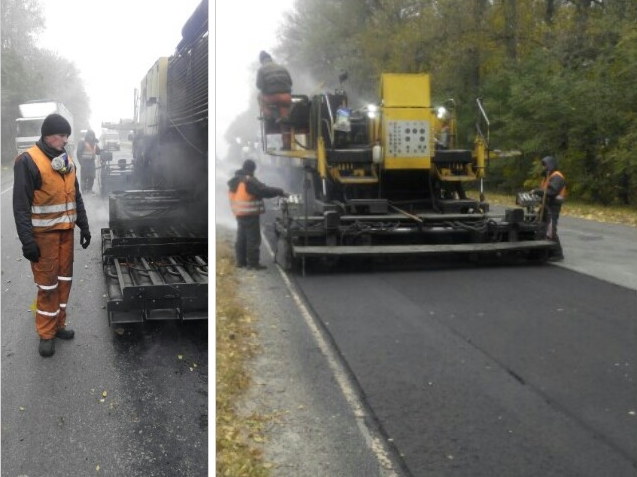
32 115
110 141
27 132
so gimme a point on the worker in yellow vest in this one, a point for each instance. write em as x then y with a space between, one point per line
47 205
246 195
553 186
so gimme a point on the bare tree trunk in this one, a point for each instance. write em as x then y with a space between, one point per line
550 11
511 27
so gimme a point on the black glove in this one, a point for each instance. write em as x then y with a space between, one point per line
31 251
85 238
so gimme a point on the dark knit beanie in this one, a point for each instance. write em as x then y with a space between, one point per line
249 166
264 55
55 124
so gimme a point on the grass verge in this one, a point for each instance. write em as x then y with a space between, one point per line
598 213
239 437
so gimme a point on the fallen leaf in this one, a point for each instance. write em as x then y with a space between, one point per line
21 408
104 394
180 356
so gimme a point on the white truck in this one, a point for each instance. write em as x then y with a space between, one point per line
29 124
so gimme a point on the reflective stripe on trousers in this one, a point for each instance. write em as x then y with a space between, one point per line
53 275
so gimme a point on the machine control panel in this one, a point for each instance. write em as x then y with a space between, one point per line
407 138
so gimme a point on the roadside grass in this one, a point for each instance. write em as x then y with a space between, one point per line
238 437
598 213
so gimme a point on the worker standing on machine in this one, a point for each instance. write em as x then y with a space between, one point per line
47 204
275 98
553 193
86 152
246 194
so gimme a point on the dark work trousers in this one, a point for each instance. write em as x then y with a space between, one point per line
551 218
248 240
87 174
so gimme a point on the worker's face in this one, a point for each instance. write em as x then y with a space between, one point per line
57 141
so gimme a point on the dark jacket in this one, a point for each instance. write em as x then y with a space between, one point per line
26 179
273 78
556 183
253 186
81 149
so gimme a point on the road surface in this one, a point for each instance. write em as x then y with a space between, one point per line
129 404
459 369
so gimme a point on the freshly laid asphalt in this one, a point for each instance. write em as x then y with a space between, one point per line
513 370
520 371
459 369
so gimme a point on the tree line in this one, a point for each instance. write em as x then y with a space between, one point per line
29 72
556 76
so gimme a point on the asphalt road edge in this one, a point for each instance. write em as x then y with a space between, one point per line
386 454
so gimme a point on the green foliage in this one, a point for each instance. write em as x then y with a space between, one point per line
556 76
30 73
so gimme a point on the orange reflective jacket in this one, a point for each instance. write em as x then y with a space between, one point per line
244 204
89 151
545 184
53 206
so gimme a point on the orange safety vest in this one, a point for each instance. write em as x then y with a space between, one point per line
53 206
90 149
244 204
545 184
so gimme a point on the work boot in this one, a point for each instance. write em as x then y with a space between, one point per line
65 334
46 348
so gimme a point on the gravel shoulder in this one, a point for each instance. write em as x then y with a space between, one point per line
318 425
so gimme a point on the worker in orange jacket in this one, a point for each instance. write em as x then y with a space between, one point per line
246 195
87 149
275 99
553 186
47 205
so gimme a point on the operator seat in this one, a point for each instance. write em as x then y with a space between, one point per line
299 117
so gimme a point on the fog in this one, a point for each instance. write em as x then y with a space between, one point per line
113 44
242 30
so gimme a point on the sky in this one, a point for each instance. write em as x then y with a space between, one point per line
114 44
243 29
